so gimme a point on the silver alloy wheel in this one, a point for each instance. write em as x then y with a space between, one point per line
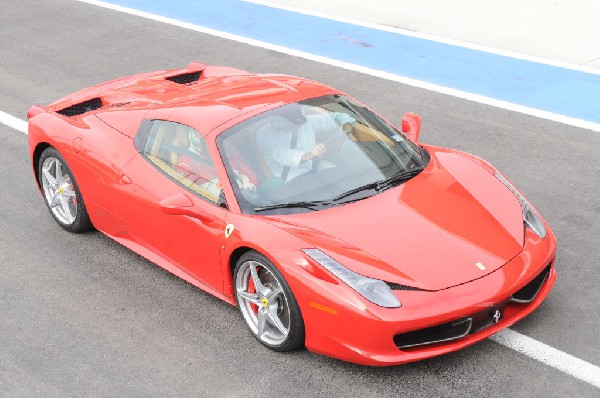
263 303
59 191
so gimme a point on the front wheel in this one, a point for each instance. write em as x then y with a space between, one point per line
267 303
61 192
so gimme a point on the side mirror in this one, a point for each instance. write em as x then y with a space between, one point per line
181 205
411 126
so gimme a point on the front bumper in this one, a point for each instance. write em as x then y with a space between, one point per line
344 326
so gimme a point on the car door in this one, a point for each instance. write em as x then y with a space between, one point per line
172 209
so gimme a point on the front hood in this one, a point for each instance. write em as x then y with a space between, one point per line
453 223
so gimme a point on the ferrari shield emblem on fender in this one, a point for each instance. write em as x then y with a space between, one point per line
228 230
480 266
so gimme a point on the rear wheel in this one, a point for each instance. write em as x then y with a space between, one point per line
61 193
267 303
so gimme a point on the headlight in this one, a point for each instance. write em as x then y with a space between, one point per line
374 290
530 217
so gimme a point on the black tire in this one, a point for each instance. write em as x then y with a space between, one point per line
296 333
82 222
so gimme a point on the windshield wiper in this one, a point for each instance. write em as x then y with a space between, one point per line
376 185
397 178
366 187
381 184
306 204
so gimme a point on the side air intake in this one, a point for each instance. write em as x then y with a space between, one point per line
185 78
82 107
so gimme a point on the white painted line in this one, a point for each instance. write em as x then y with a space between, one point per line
426 36
14 122
550 356
356 68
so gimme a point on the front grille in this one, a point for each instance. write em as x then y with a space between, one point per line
452 330
444 332
531 290
472 324
82 107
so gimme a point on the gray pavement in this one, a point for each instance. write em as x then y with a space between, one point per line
83 316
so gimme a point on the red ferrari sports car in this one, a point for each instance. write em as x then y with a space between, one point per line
323 223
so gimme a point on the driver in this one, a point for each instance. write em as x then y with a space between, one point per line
288 142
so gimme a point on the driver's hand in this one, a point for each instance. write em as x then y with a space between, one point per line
317 151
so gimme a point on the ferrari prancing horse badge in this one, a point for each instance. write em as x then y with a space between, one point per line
228 230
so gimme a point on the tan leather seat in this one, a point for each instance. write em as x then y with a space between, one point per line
181 140
161 137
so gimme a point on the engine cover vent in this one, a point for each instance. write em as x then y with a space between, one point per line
185 78
81 108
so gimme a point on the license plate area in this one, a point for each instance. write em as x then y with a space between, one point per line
488 317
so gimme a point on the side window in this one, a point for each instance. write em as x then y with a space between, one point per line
181 153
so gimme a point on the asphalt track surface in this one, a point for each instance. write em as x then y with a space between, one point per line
81 315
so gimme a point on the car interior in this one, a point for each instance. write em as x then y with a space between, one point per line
167 143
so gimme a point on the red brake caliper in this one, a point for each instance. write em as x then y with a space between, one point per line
252 289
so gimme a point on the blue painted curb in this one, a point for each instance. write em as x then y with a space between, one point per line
549 88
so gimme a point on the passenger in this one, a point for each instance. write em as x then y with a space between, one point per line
199 168
198 165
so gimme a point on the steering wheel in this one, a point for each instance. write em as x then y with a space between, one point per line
333 143
336 141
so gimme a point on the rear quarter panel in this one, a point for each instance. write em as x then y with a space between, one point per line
50 129
94 151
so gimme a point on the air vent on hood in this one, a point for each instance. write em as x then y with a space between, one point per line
82 107
185 78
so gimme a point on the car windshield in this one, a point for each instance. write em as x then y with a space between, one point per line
315 154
